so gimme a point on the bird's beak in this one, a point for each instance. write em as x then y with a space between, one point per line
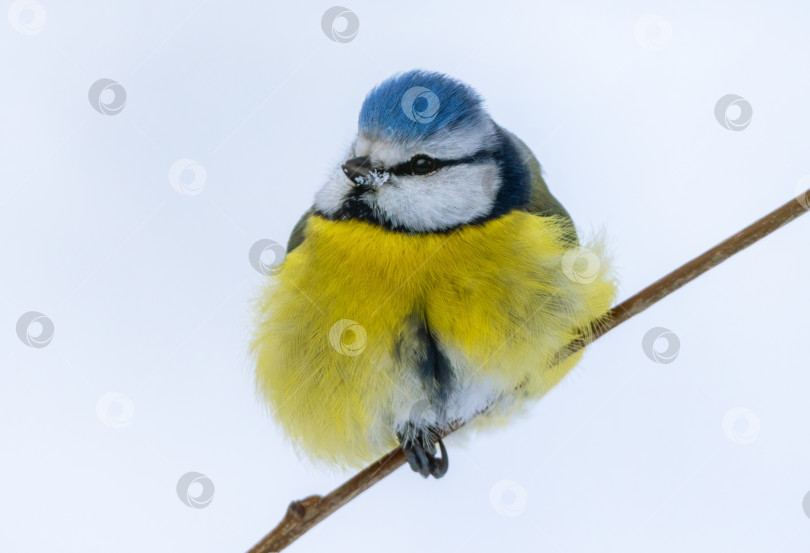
359 170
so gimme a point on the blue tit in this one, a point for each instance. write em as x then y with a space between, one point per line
434 278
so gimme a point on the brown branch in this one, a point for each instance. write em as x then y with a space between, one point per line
303 514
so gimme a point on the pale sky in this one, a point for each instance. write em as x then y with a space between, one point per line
146 280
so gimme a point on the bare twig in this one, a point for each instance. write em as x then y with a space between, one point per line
303 514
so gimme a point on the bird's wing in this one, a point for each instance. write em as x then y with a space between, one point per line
542 202
297 234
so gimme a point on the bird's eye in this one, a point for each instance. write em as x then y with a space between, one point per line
423 165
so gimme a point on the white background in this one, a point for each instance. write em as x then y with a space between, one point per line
149 289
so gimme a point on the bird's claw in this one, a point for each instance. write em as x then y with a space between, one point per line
421 455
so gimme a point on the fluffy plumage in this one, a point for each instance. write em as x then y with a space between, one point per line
494 295
435 102
423 299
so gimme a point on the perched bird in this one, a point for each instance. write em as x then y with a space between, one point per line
434 278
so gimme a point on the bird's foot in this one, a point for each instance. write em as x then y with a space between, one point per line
420 451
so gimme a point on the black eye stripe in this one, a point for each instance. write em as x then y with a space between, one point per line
405 168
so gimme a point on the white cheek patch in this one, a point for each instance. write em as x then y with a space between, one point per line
451 197
330 197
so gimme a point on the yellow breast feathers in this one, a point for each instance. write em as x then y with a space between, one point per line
334 323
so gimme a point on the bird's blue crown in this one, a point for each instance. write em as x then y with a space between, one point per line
417 104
